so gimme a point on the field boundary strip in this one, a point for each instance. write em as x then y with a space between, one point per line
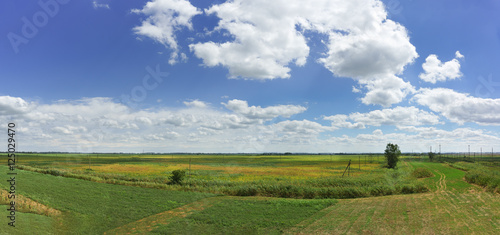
27 205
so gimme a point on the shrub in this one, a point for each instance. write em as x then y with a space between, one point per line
392 153
177 177
246 191
422 173
412 188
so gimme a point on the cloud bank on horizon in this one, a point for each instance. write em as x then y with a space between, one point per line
264 42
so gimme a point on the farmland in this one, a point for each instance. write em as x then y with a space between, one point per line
288 176
114 194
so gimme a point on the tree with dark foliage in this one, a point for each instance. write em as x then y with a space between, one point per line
392 153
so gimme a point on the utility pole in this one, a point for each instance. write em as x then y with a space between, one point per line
469 150
439 151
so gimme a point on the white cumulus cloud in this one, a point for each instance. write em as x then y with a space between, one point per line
460 107
164 18
13 105
386 91
435 70
267 37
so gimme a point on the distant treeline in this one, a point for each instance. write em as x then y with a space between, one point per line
250 154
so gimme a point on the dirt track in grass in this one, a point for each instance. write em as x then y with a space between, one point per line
147 224
444 211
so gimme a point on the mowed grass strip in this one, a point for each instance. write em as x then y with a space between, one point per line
249 215
451 212
456 208
92 208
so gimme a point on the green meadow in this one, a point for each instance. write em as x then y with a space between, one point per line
257 194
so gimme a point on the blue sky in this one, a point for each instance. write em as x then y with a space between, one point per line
259 76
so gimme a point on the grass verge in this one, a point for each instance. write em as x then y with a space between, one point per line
92 208
246 215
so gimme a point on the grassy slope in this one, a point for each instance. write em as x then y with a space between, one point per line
233 215
451 209
95 207
454 207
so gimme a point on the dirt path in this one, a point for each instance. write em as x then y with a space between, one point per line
441 183
445 211
147 224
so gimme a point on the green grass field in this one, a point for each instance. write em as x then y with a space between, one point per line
95 207
129 194
287 176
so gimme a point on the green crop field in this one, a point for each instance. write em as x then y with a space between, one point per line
263 194
288 176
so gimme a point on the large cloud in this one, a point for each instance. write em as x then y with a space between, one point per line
460 107
435 70
13 105
164 18
266 39
370 52
387 117
268 36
